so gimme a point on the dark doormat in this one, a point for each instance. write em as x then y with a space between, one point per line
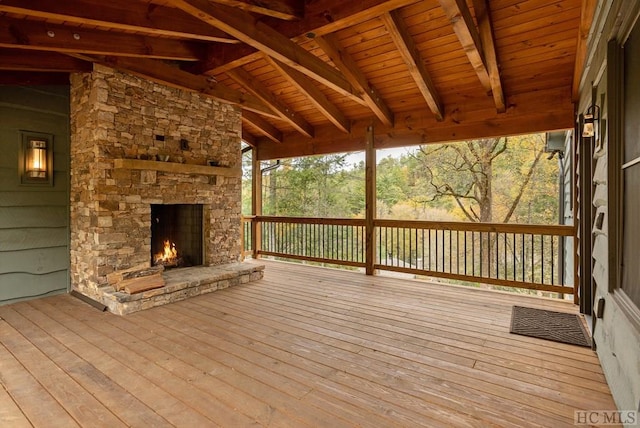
550 325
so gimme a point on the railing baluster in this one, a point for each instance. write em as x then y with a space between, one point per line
542 260
380 249
397 245
422 253
442 252
524 258
514 256
404 247
473 253
533 269
429 247
457 251
437 246
553 277
504 250
497 255
450 251
481 258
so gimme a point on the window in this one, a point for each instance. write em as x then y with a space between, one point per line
630 169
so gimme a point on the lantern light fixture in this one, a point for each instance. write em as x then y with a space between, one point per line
36 159
590 122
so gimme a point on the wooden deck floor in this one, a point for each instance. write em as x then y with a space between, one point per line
303 347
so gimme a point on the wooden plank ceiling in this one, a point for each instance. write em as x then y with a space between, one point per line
311 76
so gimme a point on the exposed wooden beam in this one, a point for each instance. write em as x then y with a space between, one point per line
282 9
354 75
18 59
257 34
315 95
537 111
586 18
172 76
320 17
124 15
59 38
458 13
285 112
406 47
247 137
267 129
483 18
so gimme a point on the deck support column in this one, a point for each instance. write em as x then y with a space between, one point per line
256 203
370 201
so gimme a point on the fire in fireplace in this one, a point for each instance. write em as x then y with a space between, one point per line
176 235
168 256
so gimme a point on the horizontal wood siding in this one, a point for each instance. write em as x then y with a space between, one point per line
37 261
34 220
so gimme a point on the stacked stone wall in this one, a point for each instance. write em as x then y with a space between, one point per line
114 116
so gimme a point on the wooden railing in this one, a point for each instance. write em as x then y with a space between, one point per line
247 242
336 241
513 255
523 256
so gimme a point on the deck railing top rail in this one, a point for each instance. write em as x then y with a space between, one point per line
535 229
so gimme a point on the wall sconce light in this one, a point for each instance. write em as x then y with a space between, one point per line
36 159
591 118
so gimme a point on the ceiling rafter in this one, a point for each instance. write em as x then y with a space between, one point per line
120 15
404 43
23 34
354 75
483 18
530 112
264 38
458 13
267 129
288 10
285 112
158 71
321 17
311 91
17 59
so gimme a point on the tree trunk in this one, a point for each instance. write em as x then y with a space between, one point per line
486 215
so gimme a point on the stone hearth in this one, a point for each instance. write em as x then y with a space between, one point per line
134 144
183 283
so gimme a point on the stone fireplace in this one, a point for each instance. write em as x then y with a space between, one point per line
141 166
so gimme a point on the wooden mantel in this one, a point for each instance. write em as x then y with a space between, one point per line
176 168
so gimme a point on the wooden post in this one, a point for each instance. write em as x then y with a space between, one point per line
370 201
256 204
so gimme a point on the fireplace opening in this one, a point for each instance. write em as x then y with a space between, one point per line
176 235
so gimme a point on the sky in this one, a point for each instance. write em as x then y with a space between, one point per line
356 157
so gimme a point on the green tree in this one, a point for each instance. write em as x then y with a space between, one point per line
313 186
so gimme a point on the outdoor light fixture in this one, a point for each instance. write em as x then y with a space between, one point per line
591 118
36 158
